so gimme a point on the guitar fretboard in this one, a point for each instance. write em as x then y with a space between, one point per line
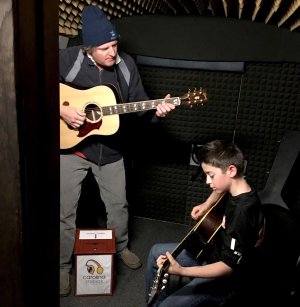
138 106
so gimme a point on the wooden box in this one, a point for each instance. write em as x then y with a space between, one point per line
94 261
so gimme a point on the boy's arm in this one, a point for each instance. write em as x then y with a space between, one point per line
199 210
212 270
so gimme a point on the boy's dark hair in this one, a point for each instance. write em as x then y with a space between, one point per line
222 154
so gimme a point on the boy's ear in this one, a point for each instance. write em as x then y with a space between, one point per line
231 171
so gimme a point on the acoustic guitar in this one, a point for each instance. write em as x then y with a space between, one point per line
102 110
197 241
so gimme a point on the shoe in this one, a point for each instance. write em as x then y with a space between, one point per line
64 285
130 259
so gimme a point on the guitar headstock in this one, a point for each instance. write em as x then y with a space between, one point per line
194 97
158 285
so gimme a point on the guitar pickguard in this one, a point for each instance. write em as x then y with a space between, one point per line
87 127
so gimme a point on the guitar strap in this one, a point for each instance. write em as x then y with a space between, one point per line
77 65
124 70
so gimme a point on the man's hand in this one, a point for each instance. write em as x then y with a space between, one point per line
72 116
164 108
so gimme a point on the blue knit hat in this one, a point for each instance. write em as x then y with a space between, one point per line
96 28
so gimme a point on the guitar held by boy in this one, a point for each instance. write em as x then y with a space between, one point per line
197 241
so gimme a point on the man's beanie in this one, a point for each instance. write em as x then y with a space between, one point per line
96 28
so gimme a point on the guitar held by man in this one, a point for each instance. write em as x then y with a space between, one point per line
101 110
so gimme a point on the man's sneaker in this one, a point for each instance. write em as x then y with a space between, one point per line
64 285
130 259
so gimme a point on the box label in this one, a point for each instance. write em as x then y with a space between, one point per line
94 274
95 235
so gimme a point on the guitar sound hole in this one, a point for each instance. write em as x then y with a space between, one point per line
93 113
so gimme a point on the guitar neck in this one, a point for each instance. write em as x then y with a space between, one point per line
132 107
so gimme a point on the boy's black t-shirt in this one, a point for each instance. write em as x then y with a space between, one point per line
235 242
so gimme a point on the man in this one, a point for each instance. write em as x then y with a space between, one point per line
97 62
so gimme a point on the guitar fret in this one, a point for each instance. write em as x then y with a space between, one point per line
129 107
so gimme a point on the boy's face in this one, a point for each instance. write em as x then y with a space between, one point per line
218 180
105 55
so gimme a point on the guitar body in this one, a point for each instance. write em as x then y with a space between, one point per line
102 110
197 241
93 99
